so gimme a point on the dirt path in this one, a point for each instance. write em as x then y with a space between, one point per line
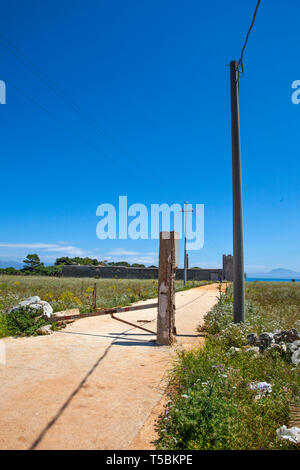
95 385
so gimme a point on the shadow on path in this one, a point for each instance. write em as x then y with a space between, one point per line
83 381
109 336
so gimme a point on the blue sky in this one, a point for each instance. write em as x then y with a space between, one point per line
154 76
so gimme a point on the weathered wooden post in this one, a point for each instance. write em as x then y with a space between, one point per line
168 261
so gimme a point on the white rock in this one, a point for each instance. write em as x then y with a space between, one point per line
25 303
35 306
253 350
266 339
45 330
289 434
36 303
294 346
233 350
296 358
31 300
47 309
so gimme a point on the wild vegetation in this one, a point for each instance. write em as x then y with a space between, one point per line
67 293
211 404
23 322
34 267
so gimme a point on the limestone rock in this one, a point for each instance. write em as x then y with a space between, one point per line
289 434
45 330
47 309
254 350
279 336
265 340
36 303
296 358
233 350
252 339
30 300
295 346
281 348
292 335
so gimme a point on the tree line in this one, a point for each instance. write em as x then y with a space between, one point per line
34 266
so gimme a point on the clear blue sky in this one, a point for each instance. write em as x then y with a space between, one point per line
153 74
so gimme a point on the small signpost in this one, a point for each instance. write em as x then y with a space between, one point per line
168 261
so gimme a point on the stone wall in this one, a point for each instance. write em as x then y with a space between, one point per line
228 267
121 272
110 272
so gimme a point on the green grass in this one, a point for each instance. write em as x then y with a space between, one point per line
24 322
211 406
67 293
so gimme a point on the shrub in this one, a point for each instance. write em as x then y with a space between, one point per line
23 322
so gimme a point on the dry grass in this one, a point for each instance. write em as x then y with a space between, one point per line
67 293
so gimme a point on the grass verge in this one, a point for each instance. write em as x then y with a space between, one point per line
211 406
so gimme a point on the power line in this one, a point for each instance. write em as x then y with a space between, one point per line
15 51
247 37
60 121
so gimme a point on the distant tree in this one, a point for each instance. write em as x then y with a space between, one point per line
51 271
63 260
11 270
136 265
77 260
119 263
32 263
152 266
85 261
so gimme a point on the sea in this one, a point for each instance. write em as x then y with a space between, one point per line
252 279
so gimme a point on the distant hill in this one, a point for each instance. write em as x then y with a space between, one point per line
11 264
278 273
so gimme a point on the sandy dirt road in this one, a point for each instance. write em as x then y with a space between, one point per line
94 385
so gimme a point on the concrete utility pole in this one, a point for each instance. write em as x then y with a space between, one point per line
185 255
168 261
238 248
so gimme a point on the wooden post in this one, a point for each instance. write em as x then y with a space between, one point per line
168 260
